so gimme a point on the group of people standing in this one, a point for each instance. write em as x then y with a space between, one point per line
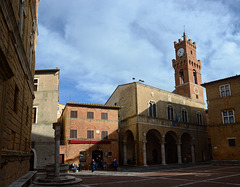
94 165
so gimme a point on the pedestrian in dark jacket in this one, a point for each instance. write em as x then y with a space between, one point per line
114 165
93 165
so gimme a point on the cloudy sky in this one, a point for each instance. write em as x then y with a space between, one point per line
99 44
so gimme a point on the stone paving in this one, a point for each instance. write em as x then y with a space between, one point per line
171 175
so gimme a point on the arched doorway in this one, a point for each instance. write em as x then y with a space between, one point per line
171 147
186 148
97 155
130 147
153 147
33 160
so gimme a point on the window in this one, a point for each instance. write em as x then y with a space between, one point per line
90 115
170 112
12 140
82 156
152 109
90 134
34 115
109 154
104 135
231 142
181 76
225 90
73 114
104 116
194 77
228 116
16 95
73 133
36 84
21 14
199 118
184 116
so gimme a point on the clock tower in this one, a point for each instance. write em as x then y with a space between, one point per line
187 70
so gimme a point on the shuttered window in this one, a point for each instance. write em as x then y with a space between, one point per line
73 133
90 115
73 114
104 116
90 134
104 135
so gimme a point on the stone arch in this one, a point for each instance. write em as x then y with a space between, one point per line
171 147
186 140
129 151
153 147
33 160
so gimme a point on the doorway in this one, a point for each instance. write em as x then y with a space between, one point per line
32 161
98 157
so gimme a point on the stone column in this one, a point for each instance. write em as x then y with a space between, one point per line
56 126
163 151
193 153
144 154
124 153
179 153
136 151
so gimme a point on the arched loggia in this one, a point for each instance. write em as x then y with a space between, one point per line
171 147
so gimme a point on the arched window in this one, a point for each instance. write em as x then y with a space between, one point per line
199 118
181 76
152 110
184 116
170 112
194 76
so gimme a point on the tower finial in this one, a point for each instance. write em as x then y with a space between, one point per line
184 31
184 35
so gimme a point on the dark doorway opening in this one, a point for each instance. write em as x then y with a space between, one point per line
170 149
32 161
98 157
155 156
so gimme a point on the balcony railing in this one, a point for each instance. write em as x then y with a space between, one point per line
161 122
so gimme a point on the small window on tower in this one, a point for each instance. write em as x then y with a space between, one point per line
194 76
181 76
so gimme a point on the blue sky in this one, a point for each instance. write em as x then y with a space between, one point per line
99 44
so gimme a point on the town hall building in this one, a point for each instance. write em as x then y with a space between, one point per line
161 127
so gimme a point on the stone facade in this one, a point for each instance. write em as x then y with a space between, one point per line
89 131
160 127
223 98
45 111
18 37
162 138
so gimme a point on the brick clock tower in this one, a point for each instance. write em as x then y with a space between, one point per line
187 70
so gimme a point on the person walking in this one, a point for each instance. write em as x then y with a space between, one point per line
93 165
114 164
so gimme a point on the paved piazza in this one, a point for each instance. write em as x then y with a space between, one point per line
206 175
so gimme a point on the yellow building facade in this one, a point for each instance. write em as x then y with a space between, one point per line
223 98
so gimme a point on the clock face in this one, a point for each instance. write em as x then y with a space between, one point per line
180 52
196 90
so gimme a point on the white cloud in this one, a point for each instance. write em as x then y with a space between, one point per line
100 44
